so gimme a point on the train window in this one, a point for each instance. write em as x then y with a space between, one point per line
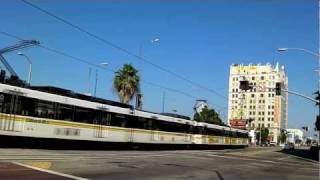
142 123
199 130
118 120
66 112
215 132
44 109
84 115
7 104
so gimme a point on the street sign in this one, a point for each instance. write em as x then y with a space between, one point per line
238 123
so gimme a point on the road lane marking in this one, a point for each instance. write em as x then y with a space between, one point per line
261 160
40 164
51 172
287 157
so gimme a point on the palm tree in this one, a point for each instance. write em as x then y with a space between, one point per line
126 83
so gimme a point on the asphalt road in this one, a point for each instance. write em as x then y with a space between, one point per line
249 163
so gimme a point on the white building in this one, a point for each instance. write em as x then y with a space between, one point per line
260 104
295 136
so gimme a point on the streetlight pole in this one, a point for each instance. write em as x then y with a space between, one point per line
163 100
312 53
103 65
30 65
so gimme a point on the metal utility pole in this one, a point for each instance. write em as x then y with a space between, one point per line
89 77
163 100
260 138
30 66
95 85
319 62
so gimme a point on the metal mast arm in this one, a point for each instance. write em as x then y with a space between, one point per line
22 44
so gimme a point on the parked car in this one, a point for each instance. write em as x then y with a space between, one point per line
273 143
289 146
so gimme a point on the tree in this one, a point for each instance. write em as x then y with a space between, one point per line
126 83
283 136
264 134
209 116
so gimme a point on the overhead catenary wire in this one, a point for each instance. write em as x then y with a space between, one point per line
95 65
61 53
122 49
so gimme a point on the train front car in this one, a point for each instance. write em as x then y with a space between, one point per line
212 136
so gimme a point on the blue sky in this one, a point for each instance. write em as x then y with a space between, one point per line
199 40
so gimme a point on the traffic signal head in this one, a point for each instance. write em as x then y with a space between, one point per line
318 123
278 89
244 85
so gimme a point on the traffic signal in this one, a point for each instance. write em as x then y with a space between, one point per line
306 128
244 85
139 101
318 123
278 89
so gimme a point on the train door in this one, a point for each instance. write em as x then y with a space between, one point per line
130 123
100 120
9 107
187 130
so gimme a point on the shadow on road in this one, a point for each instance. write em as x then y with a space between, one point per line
312 153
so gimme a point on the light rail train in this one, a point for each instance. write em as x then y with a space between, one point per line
51 116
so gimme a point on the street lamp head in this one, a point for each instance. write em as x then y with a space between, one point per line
155 40
104 64
282 49
20 53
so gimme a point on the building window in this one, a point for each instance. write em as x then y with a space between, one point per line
261 95
263 125
268 125
253 78
262 78
252 95
268 119
262 118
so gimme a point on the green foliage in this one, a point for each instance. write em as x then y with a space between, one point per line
209 116
126 83
264 134
283 136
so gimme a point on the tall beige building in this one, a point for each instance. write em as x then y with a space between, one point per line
260 104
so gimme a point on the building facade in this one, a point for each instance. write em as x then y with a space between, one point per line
295 136
260 107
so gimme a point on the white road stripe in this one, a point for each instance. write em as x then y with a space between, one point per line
261 161
51 172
